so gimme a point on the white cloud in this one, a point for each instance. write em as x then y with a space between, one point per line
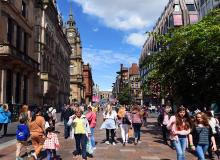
136 39
99 58
124 14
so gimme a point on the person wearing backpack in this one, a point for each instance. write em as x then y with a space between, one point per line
22 135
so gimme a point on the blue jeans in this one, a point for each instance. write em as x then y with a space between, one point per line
180 146
51 153
137 130
201 149
81 140
92 137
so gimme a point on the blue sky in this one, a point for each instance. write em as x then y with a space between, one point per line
112 32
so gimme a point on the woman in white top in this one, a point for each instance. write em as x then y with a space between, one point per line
109 117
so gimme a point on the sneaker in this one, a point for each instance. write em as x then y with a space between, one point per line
123 143
94 148
139 142
113 144
107 142
34 155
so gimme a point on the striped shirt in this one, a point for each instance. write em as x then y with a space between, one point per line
203 135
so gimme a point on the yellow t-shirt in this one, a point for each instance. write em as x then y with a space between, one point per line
79 126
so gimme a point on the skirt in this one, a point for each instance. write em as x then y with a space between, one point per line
108 124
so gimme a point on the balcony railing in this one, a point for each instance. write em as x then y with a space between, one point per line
12 52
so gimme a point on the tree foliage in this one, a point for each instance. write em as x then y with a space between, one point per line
188 65
125 96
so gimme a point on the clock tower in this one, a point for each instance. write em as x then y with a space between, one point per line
76 64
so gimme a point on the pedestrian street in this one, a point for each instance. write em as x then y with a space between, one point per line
150 148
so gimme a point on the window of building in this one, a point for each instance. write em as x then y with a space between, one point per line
25 89
177 8
25 43
10 31
193 19
18 38
23 9
178 20
190 7
18 88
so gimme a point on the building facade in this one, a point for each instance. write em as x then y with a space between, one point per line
76 63
18 63
134 83
177 13
53 51
204 6
88 83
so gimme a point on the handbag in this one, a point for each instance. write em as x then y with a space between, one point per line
130 132
70 122
89 146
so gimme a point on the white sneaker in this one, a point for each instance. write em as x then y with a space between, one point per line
94 148
113 144
107 142
139 142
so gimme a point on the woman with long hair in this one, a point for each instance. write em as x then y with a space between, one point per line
201 136
124 121
37 130
179 126
136 119
109 117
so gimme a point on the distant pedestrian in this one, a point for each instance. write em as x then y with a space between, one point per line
22 135
25 114
66 113
201 136
163 120
109 124
52 114
179 126
136 118
37 129
5 118
51 144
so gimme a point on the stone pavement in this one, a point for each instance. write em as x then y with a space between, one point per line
151 148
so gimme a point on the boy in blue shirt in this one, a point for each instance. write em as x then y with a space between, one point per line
22 135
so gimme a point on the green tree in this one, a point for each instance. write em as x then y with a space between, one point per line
125 96
188 65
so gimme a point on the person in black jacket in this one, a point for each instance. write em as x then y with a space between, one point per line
66 113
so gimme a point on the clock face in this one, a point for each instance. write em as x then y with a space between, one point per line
70 34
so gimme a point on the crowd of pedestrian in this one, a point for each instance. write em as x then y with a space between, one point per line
198 131
195 131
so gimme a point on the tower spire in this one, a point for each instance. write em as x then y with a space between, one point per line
71 21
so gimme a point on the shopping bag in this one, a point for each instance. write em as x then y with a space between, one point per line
130 132
89 148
